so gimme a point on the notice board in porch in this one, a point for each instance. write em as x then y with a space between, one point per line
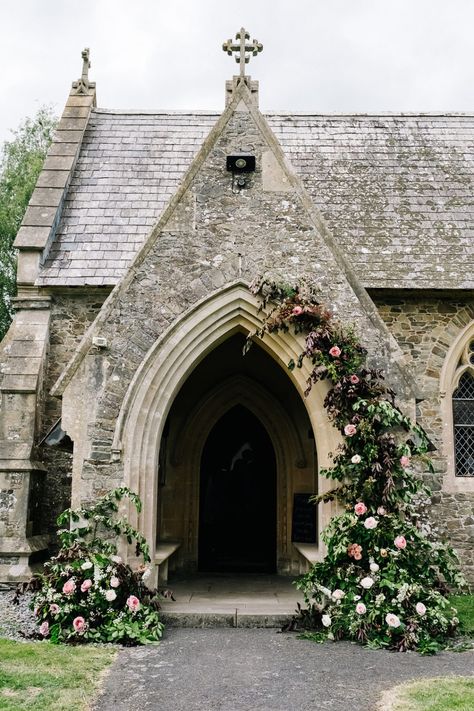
303 526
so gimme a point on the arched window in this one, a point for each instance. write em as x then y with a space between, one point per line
463 413
463 421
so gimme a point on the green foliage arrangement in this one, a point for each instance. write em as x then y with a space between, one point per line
87 593
385 576
21 160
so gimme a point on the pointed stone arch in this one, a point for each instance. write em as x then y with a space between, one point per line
167 366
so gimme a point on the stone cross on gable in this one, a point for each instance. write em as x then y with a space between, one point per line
244 50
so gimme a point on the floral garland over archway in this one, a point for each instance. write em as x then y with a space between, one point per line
385 576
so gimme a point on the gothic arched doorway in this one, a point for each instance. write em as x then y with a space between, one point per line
237 509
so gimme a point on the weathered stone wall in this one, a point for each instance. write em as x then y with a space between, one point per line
72 312
426 328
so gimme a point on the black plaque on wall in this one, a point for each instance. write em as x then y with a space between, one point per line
303 528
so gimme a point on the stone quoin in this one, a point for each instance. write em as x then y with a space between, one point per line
124 365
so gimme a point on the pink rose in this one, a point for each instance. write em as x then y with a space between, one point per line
79 624
354 379
297 311
360 508
133 603
350 430
114 581
44 629
420 608
392 620
335 351
400 542
405 461
361 608
86 585
354 550
69 587
371 523
54 609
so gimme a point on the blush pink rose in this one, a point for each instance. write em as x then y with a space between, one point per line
44 629
69 587
350 430
354 379
405 461
53 608
297 311
400 542
354 550
335 351
420 608
133 603
360 508
86 585
79 624
114 581
381 511
371 523
361 608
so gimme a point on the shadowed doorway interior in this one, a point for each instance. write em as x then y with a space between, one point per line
237 512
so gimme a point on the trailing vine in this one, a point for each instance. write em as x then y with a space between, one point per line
386 573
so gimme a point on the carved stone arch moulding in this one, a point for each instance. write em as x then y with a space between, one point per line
167 366
459 360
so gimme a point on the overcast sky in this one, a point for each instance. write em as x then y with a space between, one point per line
319 55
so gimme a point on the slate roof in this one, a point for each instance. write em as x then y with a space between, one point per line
396 191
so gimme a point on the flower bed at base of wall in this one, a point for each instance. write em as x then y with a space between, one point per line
386 572
87 594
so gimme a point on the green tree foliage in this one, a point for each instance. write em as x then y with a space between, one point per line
21 160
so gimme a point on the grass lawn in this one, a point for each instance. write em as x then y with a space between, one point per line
40 675
447 694
465 607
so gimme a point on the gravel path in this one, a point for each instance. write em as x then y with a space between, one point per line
260 670
15 619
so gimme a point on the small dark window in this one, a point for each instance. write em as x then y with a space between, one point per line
463 418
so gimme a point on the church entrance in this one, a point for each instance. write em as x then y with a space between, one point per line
237 507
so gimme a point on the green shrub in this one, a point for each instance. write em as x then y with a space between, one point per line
87 593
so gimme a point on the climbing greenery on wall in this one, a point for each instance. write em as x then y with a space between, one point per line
384 579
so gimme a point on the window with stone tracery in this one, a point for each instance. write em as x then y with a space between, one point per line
463 413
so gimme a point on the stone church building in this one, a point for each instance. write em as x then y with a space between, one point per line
124 365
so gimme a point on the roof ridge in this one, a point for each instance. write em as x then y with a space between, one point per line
330 114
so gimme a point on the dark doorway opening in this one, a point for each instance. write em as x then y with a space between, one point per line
237 511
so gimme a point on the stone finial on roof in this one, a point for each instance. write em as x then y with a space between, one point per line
82 85
244 50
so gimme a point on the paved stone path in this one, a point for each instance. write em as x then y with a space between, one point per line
261 670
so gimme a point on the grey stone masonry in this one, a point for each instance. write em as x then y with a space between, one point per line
23 352
211 235
396 191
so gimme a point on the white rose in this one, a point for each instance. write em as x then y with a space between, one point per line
338 594
110 595
367 583
420 608
86 565
356 459
371 523
326 620
114 581
374 567
392 620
